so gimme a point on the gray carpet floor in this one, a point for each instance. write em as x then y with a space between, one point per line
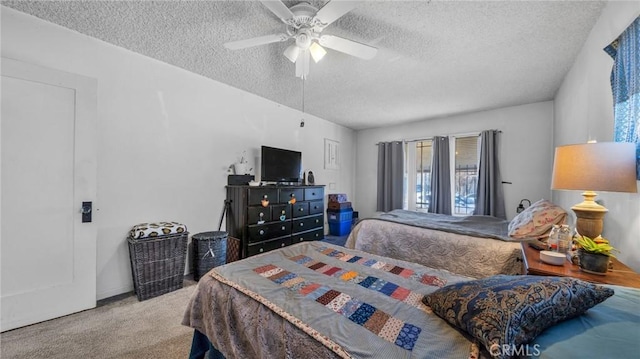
121 327
124 328
337 240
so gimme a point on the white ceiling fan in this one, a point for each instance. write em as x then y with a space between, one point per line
305 24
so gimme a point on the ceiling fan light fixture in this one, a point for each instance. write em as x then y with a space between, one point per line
292 52
304 24
317 52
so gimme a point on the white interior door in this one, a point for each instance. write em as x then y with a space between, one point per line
48 255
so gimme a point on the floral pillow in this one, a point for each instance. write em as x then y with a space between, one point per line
504 312
536 220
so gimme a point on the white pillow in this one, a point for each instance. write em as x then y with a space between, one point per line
536 220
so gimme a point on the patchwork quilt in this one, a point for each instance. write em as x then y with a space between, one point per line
349 304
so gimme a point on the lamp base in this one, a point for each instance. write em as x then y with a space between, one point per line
589 216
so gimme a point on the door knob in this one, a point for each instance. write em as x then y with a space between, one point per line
86 212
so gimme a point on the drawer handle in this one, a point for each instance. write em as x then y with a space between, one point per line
301 224
301 239
261 231
317 221
283 228
301 209
261 250
282 245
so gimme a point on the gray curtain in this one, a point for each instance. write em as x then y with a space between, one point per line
440 201
390 176
490 196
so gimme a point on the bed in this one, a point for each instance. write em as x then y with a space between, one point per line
317 300
475 246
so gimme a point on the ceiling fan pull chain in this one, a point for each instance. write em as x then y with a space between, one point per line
302 120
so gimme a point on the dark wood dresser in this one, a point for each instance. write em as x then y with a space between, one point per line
268 217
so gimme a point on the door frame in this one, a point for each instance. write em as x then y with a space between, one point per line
84 187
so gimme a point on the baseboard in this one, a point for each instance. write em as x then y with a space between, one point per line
114 292
127 289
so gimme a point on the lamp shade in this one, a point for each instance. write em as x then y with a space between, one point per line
605 166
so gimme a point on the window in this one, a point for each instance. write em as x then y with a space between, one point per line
423 174
466 174
625 84
464 150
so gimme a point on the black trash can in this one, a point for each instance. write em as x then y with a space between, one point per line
209 250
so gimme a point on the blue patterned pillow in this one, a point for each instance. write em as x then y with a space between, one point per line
505 312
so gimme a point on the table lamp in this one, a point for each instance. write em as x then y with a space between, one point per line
605 166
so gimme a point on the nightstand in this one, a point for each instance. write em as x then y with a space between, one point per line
620 274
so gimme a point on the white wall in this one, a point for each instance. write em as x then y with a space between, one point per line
584 111
166 137
525 148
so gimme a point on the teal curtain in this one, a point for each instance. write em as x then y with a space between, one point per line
625 83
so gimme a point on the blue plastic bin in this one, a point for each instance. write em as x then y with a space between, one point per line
345 214
339 228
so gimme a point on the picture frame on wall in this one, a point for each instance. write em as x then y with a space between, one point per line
331 154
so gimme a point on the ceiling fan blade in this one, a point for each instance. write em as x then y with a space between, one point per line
334 9
349 47
279 8
302 64
256 41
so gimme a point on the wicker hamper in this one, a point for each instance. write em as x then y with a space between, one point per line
233 249
157 264
209 250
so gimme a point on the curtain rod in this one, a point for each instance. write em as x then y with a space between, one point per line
399 141
467 134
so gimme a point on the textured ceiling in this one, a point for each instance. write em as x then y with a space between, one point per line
435 58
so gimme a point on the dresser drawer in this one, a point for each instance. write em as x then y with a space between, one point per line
314 235
266 246
280 210
300 209
307 223
256 195
314 193
258 213
263 232
286 194
316 207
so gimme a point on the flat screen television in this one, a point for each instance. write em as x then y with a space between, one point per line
280 165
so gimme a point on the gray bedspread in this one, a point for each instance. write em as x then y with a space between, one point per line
248 309
439 241
476 226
